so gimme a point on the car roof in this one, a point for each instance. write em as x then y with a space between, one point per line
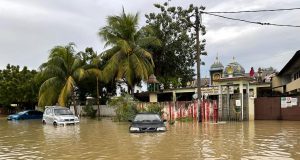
29 110
146 113
57 107
25 111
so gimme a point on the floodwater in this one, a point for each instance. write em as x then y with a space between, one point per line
92 139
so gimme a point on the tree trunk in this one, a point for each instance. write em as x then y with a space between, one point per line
130 90
98 103
74 104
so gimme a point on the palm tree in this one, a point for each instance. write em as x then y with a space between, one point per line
61 72
94 69
127 59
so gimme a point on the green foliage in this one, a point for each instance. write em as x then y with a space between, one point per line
174 59
18 86
126 107
60 74
185 119
127 60
89 111
154 108
94 66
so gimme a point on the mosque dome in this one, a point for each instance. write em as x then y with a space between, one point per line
217 65
234 69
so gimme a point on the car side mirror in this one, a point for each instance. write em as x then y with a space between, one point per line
129 120
164 120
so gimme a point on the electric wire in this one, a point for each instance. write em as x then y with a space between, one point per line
263 10
253 22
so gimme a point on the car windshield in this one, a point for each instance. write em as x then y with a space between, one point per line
62 112
23 112
147 118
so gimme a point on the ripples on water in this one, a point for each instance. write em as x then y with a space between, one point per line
105 139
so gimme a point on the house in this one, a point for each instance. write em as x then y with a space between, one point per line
287 81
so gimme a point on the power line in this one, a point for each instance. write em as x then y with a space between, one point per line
253 22
263 10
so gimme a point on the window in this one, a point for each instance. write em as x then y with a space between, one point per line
62 112
296 75
48 111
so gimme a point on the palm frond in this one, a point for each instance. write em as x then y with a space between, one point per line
66 91
49 91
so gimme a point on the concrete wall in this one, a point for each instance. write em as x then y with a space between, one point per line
105 110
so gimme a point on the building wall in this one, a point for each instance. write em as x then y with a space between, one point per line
293 85
276 81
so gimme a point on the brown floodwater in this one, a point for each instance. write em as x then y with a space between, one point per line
92 139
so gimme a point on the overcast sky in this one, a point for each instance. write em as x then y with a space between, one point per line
30 28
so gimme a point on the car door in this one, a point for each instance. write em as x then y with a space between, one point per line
29 115
35 114
47 115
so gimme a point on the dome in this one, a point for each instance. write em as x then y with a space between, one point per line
234 69
217 65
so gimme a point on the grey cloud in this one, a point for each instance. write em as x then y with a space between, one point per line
29 29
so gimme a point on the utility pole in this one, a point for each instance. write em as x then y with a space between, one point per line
199 95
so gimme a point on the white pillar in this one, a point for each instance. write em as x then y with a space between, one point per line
242 99
153 97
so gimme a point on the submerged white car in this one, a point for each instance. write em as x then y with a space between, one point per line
57 115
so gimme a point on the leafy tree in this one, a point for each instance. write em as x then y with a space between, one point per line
18 86
174 59
127 59
96 83
61 73
93 69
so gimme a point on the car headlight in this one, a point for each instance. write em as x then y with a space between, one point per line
161 129
134 129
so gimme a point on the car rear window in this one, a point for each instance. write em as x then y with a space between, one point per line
147 118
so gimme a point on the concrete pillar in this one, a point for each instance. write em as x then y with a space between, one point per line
174 96
152 97
251 108
241 86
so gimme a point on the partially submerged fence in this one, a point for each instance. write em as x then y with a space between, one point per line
211 110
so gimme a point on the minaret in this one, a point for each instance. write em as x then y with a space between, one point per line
216 70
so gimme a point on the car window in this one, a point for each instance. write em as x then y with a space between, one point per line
36 113
147 118
48 111
22 112
62 112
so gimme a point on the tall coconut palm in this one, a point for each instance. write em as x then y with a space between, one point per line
93 69
61 72
127 58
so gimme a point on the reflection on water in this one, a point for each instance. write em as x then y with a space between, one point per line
93 139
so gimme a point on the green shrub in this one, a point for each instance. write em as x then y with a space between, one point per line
185 119
126 107
89 111
154 108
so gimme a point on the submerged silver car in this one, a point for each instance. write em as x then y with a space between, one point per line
57 115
